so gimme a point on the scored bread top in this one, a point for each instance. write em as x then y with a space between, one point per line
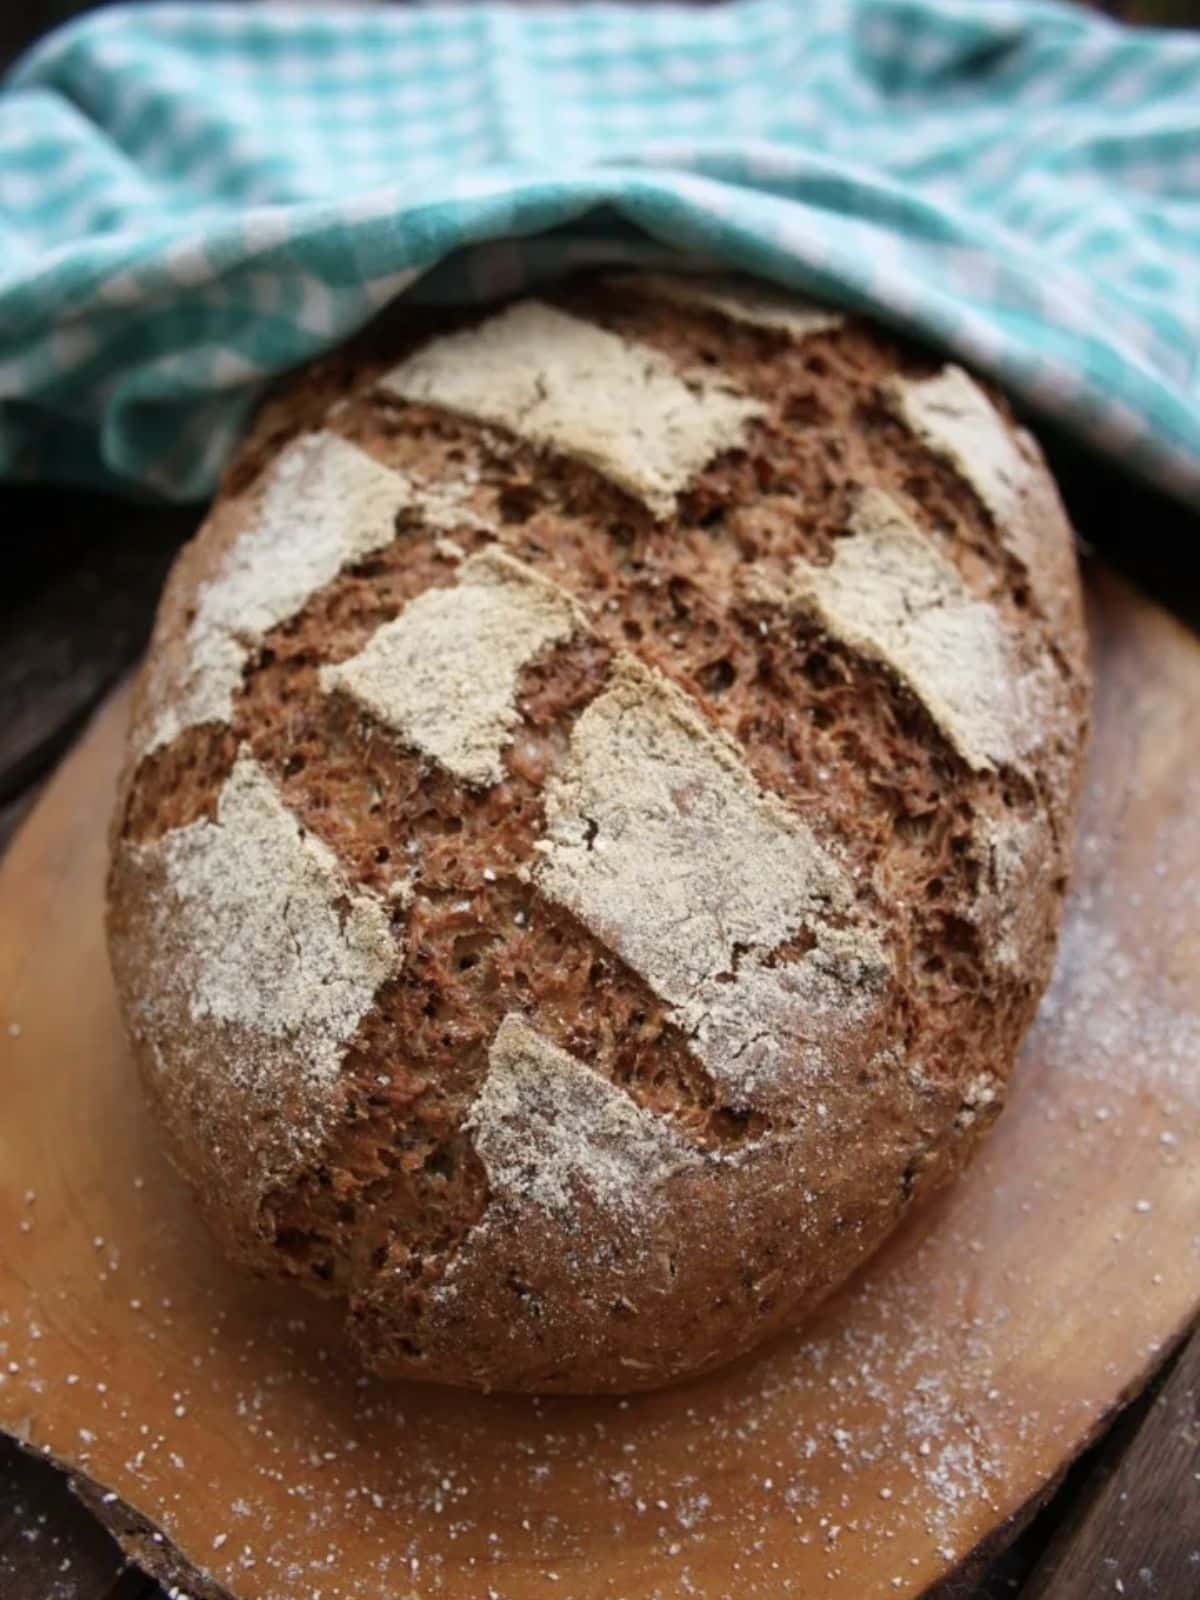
598 805
462 647
735 299
660 841
889 594
561 382
547 1126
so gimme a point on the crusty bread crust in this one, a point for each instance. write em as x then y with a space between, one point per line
583 871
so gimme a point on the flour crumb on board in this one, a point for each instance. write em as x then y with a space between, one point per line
1106 997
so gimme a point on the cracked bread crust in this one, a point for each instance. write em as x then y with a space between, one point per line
654 979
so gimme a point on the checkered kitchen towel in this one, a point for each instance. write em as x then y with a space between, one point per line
194 197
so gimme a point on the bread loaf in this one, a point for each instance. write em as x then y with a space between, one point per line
597 813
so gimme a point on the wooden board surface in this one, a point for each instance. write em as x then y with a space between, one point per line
1136 1530
861 1458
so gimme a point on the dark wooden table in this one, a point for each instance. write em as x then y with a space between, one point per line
81 578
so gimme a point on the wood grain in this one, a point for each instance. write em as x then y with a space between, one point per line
1137 1530
43 1554
863 1458
72 626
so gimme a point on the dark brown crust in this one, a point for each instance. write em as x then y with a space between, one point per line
380 1217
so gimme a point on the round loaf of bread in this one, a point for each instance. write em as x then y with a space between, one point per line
597 813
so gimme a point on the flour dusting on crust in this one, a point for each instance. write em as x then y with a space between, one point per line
1019 859
952 415
954 418
889 594
777 1022
547 1128
660 984
326 504
660 840
265 931
565 384
444 672
737 299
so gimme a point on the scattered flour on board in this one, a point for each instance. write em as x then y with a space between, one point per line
1134 1021
894 1414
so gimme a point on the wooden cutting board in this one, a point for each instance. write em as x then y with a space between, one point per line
218 1428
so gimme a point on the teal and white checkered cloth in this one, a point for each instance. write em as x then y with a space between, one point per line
195 197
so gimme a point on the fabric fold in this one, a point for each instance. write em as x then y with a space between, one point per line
194 198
